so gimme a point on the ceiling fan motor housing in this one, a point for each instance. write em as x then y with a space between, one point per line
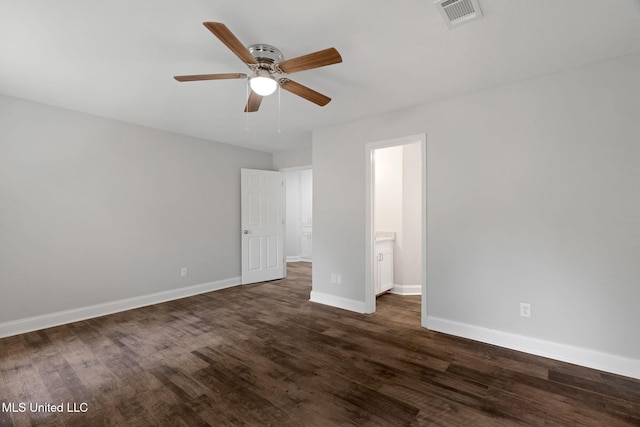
266 54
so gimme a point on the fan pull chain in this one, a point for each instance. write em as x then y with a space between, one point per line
247 112
279 115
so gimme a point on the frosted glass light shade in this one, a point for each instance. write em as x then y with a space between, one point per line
263 84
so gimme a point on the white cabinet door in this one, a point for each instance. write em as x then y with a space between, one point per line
376 274
383 269
262 212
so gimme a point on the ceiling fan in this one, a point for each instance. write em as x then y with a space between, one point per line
265 61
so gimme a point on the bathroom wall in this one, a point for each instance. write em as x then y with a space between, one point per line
388 189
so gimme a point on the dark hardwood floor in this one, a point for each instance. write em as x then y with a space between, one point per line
264 355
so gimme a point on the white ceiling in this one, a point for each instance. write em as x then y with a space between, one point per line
116 58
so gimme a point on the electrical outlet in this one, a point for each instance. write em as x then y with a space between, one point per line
333 278
339 279
183 272
525 309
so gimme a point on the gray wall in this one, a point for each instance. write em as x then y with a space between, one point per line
93 210
532 194
292 158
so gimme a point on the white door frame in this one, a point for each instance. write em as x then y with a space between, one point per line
370 297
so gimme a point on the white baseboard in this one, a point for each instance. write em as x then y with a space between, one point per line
30 324
565 353
406 290
297 258
339 302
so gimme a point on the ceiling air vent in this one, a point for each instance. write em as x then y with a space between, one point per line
456 12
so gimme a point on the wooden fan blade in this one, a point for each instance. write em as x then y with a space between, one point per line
304 92
312 60
226 36
197 77
253 103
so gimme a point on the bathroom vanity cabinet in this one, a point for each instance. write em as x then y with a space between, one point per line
383 263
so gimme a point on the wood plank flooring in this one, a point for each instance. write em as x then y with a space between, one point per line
263 355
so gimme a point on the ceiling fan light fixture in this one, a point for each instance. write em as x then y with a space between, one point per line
262 83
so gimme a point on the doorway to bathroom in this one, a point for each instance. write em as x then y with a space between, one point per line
396 219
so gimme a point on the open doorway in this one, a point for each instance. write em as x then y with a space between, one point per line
298 214
396 219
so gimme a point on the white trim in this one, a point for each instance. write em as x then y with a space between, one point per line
423 242
35 323
339 302
563 352
369 240
295 168
406 290
297 258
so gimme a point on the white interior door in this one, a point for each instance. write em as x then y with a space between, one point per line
262 207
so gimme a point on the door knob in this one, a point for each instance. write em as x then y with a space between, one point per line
246 231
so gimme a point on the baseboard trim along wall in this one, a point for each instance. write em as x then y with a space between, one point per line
297 258
406 289
30 324
339 302
565 353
